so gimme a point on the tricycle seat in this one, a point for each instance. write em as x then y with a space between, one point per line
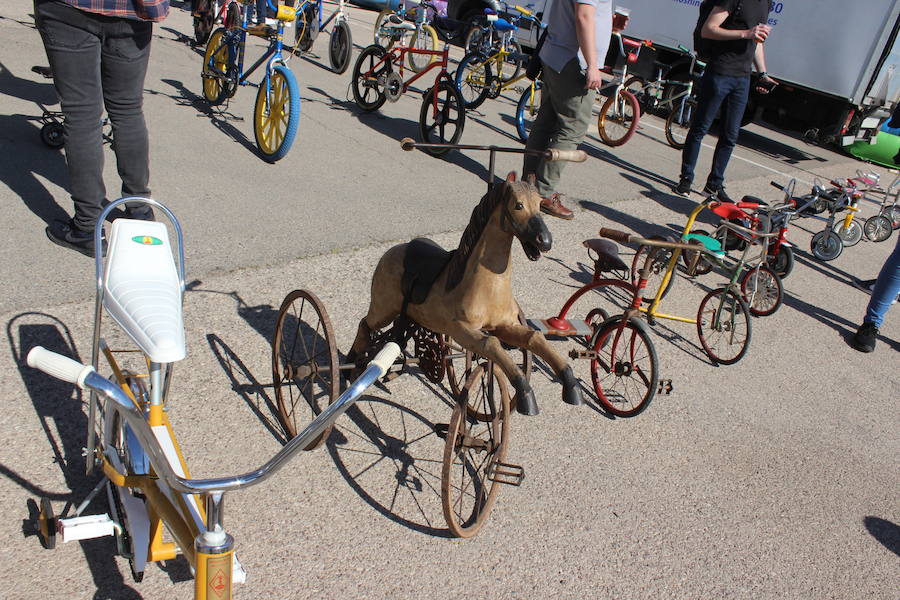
711 244
142 289
607 258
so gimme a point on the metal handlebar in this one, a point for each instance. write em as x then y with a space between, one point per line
628 238
87 378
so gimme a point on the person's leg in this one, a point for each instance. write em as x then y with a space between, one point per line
572 104
736 91
887 286
125 54
72 41
542 129
709 99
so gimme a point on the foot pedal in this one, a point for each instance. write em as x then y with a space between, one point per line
561 327
506 473
665 387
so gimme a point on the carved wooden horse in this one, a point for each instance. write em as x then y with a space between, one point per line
467 294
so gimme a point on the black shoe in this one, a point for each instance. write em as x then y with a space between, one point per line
717 193
67 235
143 213
864 339
683 188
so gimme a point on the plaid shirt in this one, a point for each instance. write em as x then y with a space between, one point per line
145 10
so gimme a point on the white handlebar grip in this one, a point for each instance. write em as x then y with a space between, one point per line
57 365
386 357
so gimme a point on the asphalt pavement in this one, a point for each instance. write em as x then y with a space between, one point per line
776 477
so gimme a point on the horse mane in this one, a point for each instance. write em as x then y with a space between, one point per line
481 214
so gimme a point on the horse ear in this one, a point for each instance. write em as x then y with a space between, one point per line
511 176
530 178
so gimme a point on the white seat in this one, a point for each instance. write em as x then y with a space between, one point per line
142 289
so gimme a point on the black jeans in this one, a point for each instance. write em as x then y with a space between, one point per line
716 91
98 62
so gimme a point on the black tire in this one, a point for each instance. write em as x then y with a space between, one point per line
203 21
514 62
367 82
527 110
878 228
703 265
232 19
723 316
473 79
826 245
783 261
762 290
306 28
625 370
638 88
52 134
340 47
678 123
434 122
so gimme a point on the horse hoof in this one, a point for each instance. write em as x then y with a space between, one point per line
526 403
571 388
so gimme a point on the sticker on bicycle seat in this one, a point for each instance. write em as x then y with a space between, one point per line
147 240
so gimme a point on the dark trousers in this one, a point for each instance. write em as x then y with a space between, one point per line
98 62
716 91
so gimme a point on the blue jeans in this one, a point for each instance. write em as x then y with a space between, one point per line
887 286
716 91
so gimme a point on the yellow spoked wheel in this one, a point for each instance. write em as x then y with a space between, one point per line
385 36
215 66
423 39
277 114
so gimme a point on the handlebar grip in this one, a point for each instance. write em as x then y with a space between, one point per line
684 48
615 235
524 11
386 357
570 155
776 185
408 144
57 365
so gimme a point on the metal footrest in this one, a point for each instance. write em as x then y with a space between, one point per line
506 473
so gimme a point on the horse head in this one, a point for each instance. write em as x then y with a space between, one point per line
521 216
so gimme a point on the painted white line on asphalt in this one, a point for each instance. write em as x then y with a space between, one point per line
734 155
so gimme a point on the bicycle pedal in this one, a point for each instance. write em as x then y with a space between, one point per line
507 473
665 387
580 354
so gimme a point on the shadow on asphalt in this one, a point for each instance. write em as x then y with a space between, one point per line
885 532
61 410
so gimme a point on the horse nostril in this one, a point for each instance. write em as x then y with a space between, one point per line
545 240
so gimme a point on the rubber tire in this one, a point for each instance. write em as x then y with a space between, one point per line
203 24
893 215
515 66
449 99
427 41
783 262
703 267
307 18
470 65
293 113
524 108
737 304
384 41
600 341
774 279
826 245
629 103
852 235
340 47
376 52
52 134
680 120
878 228
215 91
637 86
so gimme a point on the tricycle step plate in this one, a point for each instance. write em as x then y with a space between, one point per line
575 327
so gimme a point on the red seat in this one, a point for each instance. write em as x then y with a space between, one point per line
728 211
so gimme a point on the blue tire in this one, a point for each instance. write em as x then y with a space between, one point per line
277 114
526 110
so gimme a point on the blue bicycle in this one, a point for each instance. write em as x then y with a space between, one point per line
277 110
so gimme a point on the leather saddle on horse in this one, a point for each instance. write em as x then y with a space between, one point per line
422 265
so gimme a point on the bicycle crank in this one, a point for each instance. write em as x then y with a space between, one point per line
393 86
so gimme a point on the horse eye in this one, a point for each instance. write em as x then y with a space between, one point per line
519 206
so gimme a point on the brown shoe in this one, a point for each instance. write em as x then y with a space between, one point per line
553 206
261 30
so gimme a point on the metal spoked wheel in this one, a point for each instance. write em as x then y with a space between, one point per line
826 245
762 290
473 77
893 214
618 118
625 369
52 134
443 116
878 228
368 80
304 363
472 450
660 264
849 235
306 28
782 260
386 36
723 324
703 265
678 123
422 39
527 110
340 47
215 67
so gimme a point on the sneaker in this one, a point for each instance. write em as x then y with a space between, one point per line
553 206
67 235
867 285
683 188
864 339
717 192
